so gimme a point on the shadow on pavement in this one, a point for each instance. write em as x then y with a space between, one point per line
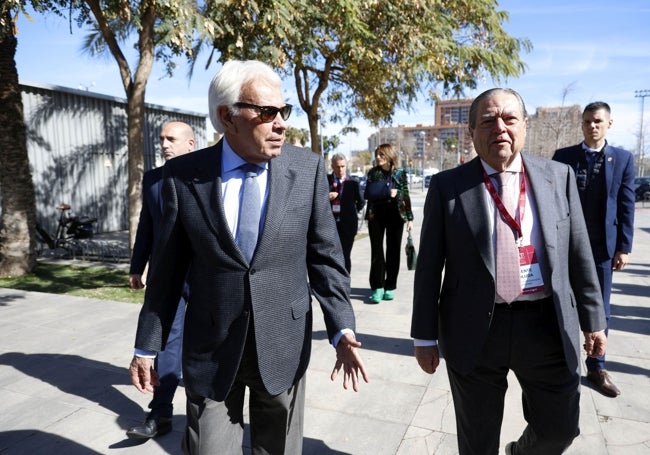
389 345
360 293
75 375
10 298
39 443
629 289
318 447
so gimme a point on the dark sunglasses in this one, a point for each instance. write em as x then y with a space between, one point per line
268 113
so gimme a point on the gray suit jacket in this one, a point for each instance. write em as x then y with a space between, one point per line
456 307
298 254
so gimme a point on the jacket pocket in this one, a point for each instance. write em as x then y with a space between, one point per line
300 307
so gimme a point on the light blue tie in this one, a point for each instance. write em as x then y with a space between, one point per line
249 212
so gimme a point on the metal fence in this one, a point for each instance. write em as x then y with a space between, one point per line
77 146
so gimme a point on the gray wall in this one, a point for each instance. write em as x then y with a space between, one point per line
77 146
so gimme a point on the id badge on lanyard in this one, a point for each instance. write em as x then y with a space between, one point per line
530 273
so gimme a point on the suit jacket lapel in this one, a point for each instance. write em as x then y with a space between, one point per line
608 165
281 179
471 191
207 188
543 189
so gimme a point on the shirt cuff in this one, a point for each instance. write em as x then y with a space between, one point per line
146 354
420 343
337 337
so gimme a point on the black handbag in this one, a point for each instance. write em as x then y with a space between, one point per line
411 254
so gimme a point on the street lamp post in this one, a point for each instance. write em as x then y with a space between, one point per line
441 152
423 136
641 94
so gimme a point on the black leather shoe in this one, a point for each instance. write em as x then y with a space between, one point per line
603 382
152 427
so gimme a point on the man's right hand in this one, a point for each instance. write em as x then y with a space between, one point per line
143 376
428 358
595 343
135 282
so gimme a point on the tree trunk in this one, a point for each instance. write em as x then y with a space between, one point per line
134 87
136 115
313 122
135 121
18 217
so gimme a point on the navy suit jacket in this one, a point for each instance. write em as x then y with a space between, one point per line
619 183
150 215
454 290
351 203
298 255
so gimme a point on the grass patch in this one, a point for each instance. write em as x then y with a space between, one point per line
102 283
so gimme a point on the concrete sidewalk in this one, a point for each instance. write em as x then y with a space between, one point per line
64 387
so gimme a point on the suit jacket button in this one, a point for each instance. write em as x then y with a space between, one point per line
252 271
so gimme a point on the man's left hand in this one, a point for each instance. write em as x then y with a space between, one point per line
347 356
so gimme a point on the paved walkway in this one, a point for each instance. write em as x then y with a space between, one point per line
64 387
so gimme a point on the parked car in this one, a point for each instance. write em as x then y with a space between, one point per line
427 180
642 192
362 183
640 180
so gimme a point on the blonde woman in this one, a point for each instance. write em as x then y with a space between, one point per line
389 208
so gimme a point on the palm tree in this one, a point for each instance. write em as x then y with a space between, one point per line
18 217
163 30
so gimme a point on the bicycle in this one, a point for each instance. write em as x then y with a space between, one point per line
69 229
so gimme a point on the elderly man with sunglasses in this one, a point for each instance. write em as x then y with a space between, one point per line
247 223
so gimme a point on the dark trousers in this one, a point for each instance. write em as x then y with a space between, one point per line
384 269
276 421
528 343
168 365
605 278
346 236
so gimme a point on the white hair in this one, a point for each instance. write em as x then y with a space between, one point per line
226 86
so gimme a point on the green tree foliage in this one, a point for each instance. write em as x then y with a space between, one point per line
329 143
158 30
367 58
297 136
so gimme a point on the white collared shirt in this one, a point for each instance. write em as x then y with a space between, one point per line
530 226
232 179
531 230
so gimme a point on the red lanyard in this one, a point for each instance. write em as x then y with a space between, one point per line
335 184
499 203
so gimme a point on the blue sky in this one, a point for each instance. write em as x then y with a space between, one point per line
600 49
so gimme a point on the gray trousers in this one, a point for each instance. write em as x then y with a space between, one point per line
276 422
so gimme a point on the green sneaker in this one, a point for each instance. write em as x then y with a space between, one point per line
377 295
389 294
